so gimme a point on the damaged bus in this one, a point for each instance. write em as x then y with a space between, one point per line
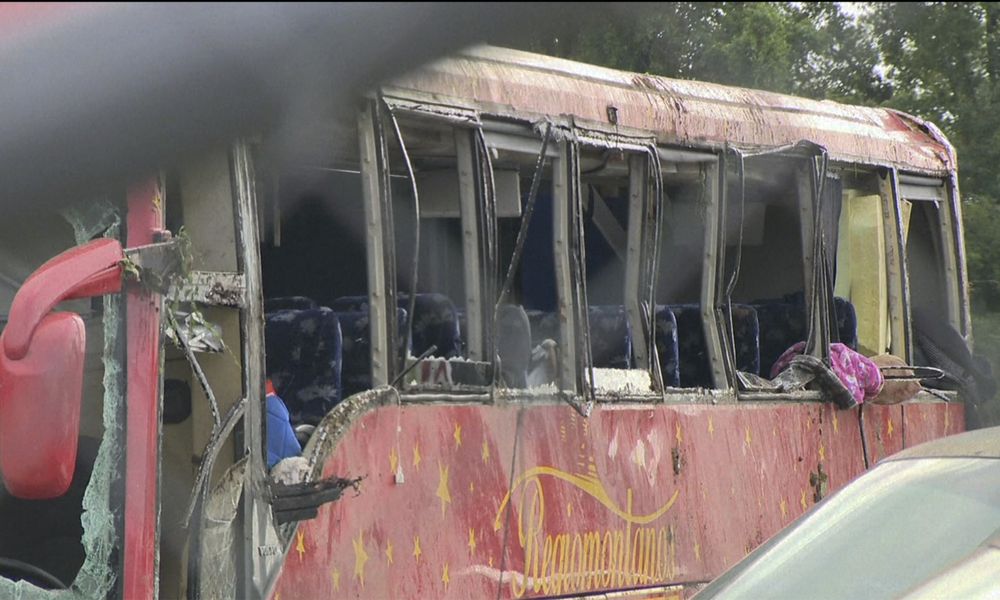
533 328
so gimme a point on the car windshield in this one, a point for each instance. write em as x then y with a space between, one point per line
893 528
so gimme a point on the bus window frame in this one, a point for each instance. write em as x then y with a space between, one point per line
956 230
712 285
380 239
522 140
642 242
918 188
805 188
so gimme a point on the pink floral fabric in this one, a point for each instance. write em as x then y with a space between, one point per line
857 372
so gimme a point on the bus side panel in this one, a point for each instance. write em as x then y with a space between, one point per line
923 422
636 496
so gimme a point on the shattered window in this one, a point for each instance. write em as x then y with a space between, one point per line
68 542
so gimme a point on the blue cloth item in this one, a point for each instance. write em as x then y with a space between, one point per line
281 441
303 349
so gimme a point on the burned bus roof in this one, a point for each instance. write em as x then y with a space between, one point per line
512 83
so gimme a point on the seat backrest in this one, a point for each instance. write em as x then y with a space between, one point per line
435 322
610 337
610 334
288 303
783 324
514 344
665 336
544 326
746 332
694 362
303 350
847 322
357 372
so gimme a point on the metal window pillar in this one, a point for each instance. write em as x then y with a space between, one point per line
469 212
258 529
562 232
712 285
898 283
378 297
639 196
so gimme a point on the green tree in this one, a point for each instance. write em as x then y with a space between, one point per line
943 61
809 49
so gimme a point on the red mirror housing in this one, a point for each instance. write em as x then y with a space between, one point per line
41 369
40 399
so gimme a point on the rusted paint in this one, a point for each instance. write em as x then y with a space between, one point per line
689 113
215 289
441 530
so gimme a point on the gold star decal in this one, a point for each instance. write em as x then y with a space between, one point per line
486 452
822 451
443 492
388 552
472 540
678 435
888 428
836 423
393 460
457 435
360 558
748 438
416 548
444 576
300 545
802 500
784 508
416 455
335 574
711 426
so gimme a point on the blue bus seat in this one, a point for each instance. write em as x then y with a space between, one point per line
288 303
303 350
